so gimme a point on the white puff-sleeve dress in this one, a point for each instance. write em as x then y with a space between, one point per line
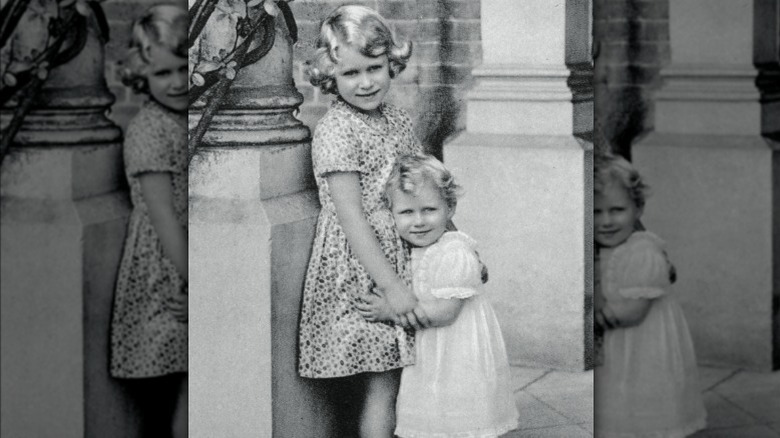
459 385
648 383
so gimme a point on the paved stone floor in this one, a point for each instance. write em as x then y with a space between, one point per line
740 404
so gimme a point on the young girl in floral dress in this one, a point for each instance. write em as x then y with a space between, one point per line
149 324
356 246
647 384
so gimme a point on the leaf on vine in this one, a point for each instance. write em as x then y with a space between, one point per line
66 3
253 3
271 8
207 66
82 8
198 80
9 79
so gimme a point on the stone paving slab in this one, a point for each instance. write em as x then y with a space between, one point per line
559 404
754 431
710 377
535 414
721 413
522 377
550 432
758 394
570 394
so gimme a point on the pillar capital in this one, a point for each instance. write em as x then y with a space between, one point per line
724 68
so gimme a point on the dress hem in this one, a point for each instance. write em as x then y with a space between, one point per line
492 432
337 375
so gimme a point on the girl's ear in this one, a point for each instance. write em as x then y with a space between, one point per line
451 212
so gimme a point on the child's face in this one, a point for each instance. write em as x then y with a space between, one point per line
421 219
362 81
167 78
614 215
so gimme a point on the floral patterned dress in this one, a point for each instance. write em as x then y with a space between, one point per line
334 340
146 339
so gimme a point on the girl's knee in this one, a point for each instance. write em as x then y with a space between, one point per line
384 381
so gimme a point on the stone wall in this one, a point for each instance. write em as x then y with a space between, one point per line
446 38
631 45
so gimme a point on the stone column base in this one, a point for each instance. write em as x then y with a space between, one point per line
525 202
61 237
250 240
714 201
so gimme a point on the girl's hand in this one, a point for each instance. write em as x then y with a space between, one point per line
375 308
178 304
416 319
400 299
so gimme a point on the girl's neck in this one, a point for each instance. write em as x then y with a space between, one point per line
167 108
375 114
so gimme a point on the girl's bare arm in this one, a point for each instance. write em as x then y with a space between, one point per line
625 313
158 194
346 194
434 313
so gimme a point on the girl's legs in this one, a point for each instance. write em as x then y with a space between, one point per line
180 419
377 419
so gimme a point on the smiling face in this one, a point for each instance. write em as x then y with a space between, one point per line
614 215
167 78
362 81
422 218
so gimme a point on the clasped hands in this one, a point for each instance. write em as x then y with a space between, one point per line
177 302
400 308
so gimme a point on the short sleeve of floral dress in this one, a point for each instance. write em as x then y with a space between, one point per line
146 339
334 340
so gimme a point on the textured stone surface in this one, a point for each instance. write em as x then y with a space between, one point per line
524 204
714 180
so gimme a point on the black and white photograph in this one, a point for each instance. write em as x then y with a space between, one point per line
402 218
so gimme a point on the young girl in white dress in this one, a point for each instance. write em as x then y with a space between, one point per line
459 385
647 384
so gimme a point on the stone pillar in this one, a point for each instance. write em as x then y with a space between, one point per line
64 215
253 209
525 162
713 167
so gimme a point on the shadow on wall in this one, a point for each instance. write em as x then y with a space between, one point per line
440 114
631 45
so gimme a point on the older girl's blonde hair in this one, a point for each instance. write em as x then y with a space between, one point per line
163 26
361 28
411 172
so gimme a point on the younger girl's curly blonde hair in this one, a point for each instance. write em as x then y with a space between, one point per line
411 172
162 26
361 28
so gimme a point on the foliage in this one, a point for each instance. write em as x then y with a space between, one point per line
35 37
225 36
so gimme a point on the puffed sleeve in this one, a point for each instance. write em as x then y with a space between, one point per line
148 145
454 271
643 271
335 147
